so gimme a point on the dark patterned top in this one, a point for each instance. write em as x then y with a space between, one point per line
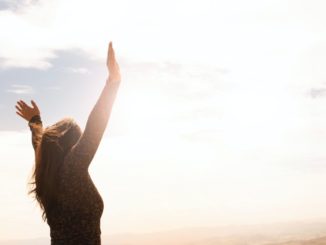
75 219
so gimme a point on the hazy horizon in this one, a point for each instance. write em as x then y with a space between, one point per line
220 117
263 234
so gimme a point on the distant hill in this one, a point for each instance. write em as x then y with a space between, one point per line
36 241
316 241
227 235
272 234
219 241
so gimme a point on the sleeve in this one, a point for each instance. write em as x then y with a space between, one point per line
36 127
84 150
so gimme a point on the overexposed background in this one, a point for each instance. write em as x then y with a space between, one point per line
219 120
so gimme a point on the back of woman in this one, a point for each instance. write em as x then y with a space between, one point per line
76 216
71 203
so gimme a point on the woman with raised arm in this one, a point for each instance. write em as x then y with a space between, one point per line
70 202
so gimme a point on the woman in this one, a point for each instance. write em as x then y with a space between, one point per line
69 200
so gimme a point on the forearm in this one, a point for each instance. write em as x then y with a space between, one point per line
88 143
99 116
106 100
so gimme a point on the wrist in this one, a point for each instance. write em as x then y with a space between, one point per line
35 119
110 82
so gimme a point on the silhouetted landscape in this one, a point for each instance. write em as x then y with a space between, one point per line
272 234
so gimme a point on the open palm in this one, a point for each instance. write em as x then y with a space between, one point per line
25 111
113 66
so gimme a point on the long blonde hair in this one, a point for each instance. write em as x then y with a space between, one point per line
55 143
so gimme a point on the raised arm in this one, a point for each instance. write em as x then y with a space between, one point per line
32 115
86 147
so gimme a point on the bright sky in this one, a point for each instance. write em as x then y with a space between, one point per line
220 118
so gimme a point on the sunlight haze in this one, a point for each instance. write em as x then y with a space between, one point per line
219 119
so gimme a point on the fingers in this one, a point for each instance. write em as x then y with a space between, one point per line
111 56
18 108
18 104
22 104
34 104
110 47
112 51
112 64
19 114
108 57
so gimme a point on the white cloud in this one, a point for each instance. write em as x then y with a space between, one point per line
23 44
317 92
17 5
78 70
20 89
53 88
224 32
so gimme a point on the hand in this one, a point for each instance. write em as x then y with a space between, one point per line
26 111
113 66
